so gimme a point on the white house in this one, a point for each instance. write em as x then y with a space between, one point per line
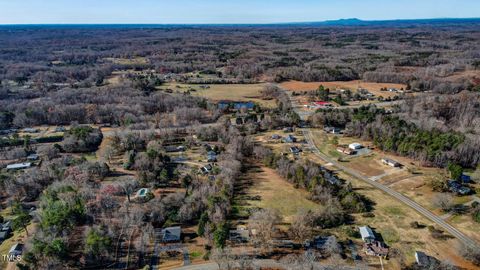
19 166
355 146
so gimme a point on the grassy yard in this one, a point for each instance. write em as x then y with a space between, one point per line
268 190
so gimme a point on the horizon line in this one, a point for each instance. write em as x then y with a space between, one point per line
240 24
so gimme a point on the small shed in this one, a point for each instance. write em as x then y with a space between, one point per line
367 234
33 157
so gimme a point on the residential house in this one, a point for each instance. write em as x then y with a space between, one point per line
290 139
333 130
6 226
4 236
206 169
240 235
320 242
19 166
142 193
171 234
367 234
391 162
211 156
295 150
376 248
174 148
466 179
458 188
355 146
60 129
276 137
421 258
288 129
30 130
331 178
16 250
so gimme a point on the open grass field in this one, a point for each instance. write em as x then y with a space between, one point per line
268 190
217 92
374 88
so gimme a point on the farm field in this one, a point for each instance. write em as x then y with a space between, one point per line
217 92
374 88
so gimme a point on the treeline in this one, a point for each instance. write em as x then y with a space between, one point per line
393 134
121 105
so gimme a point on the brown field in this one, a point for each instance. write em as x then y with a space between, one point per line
374 88
217 92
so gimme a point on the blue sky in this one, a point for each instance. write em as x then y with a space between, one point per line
227 11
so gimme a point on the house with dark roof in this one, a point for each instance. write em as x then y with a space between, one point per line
295 150
466 179
319 242
4 236
171 234
290 139
6 227
16 250
206 169
331 178
456 187
211 156
240 235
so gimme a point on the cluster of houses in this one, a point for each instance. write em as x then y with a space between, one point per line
372 246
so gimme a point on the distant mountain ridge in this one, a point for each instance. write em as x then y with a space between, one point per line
329 23
359 22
